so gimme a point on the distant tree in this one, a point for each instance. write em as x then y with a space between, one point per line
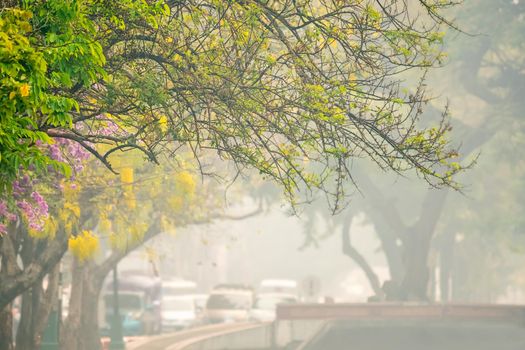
491 77
485 79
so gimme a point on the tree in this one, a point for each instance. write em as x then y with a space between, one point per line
263 84
487 109
490 72
292 90
147 201
37 236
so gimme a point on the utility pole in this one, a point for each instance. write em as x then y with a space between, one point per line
117 339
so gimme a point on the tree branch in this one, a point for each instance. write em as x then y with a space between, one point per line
359 259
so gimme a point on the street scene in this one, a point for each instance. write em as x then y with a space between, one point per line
262 175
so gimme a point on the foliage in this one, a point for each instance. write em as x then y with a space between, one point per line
83 245
266 85
45 47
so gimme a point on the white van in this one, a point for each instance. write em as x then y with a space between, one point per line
228 305
178 312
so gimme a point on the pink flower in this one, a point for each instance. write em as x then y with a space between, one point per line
3 208
4 212
36 213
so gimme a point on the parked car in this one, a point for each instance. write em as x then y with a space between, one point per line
228 304
178 312
265 304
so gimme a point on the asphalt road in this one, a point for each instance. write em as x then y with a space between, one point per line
177 340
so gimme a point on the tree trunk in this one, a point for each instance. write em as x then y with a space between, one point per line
6 328
42 264
8 267
417 247
37 303
46 303
71 325
25 335
446 262
90 339
393 252
415 282
81 328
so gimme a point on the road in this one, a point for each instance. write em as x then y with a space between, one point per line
179 340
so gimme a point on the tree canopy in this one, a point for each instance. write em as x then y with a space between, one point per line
295 90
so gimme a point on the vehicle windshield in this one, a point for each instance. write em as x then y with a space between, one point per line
229 301
178 304
126 302
270 303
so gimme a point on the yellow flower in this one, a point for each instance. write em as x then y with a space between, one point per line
169 40
84 246
176 203
105 225
24 90
186 183
126 175
163 123
130 201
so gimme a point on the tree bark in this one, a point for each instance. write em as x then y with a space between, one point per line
25 335
417 247
15 285
352 253
90 339
47 302
37 303
388 225
81 326
8 268
71 325
6 328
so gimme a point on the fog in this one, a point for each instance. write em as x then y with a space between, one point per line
472 250
267 246
356 185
